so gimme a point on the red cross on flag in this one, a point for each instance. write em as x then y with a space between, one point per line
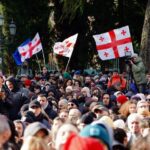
33 47
114 44
66 47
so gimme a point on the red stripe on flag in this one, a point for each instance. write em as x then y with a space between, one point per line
32 47
114 43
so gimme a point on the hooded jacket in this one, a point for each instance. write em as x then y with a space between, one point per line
138 71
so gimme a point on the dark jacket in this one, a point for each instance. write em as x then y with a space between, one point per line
17 98
50 112
43 119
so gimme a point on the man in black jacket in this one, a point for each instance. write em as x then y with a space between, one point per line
47 106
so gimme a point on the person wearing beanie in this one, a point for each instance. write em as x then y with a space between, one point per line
121 99
97 131
72 104
75 142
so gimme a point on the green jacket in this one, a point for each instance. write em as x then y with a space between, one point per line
138 70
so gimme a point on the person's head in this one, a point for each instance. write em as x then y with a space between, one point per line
42 100
85 91
115 73
145 126
37 89
74 115
1 79
134 57
62 104
36 129
72 104
5 131
142 106
44 70
97 131
63 133
69 89
85 120
34 143
100 111
11 83
133 123
35 107
57 122
127 108
2 94
75 142
88 80
121 100
19 126
106 99
120 136
64 114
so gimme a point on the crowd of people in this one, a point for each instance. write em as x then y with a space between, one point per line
76 110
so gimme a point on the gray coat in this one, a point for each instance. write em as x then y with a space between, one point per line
138 70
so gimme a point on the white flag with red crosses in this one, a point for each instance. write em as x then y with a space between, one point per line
30 49
66 47
114 44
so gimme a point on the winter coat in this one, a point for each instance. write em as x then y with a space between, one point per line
50 112
138 71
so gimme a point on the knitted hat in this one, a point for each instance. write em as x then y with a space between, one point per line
75 142
27 82
66 75
122 99
96 131
74 101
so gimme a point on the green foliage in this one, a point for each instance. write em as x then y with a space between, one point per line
70 17
72 8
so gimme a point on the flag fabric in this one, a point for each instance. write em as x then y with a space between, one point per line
66 47
114 44
33 47
16 54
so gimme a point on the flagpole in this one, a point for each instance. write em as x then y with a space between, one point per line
43 57
38 62
68 63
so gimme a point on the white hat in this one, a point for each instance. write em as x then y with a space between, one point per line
134 55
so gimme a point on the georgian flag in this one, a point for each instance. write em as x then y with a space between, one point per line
66 47
33 47
114 44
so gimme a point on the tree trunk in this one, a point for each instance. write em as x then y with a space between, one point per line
145 41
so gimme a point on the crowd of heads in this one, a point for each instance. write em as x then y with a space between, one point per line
73 111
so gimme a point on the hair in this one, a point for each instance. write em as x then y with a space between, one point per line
34 143
119 135
124 109
4 125
141 143
64 128
145 123
133 116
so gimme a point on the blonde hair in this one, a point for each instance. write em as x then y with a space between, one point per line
34 143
